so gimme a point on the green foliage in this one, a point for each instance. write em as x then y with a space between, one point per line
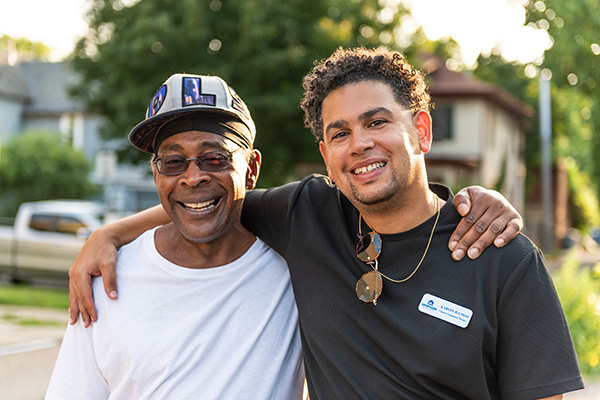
500 182
24 295
261 48
573 59
586 213
574 28
39 166
579 292
25 48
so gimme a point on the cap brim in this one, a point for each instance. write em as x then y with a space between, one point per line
142 135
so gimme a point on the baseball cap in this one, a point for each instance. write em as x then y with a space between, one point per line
203 97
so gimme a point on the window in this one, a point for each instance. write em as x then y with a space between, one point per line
69 225
56 223
41 222
442 122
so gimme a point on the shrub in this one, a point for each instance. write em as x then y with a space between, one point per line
40 166
579 292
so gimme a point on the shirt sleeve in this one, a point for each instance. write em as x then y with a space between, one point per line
76 374
267 213
536 356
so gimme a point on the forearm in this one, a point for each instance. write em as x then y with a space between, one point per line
127 229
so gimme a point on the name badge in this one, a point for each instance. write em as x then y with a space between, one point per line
445 310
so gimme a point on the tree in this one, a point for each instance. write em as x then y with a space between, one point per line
261 48
39 166
572 60
23 49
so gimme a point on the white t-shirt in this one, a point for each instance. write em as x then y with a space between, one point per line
229 332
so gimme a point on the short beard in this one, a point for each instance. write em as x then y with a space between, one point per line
388 193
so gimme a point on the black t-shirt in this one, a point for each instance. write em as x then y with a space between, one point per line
516 343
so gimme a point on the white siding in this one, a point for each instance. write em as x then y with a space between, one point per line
10 118
488 138
467 130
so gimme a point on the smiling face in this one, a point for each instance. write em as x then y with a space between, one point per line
205 206
372 146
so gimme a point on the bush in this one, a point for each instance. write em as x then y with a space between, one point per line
585 209
579 292
40 166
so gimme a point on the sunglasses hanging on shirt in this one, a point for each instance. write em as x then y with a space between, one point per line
368 249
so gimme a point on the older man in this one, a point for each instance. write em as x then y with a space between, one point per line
207 309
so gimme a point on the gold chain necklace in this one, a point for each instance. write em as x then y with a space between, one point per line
369 286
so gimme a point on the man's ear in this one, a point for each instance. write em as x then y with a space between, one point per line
324 155
253 169
422 121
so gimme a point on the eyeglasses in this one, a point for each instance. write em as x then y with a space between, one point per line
369 286
208 162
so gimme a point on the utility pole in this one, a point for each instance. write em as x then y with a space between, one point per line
546 137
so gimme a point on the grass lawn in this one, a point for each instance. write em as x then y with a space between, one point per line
24 295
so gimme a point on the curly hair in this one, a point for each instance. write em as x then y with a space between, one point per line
346 66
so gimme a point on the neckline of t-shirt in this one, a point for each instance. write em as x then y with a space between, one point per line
171 267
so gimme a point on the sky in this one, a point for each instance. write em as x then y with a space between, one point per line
478 25
56 23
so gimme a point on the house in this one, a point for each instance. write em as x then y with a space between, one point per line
477 133
34 96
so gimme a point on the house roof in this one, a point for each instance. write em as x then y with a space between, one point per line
12 83
43 86
447 83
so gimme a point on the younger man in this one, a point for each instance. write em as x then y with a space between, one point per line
488 328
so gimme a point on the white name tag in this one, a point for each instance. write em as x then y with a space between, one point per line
445 310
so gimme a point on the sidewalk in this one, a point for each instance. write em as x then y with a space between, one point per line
28 352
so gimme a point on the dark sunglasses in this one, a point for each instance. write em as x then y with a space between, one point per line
208 162
368 287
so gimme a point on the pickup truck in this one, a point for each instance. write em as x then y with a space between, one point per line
46 237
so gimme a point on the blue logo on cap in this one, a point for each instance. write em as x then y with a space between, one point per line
157 101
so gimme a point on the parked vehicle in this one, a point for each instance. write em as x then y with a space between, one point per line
46 237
